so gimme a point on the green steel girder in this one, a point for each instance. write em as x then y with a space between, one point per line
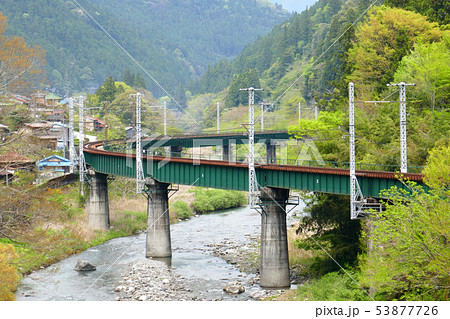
217 174
190 141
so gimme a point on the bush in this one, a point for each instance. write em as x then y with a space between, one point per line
208 200
8 275
181 209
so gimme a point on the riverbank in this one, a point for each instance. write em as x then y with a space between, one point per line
65 231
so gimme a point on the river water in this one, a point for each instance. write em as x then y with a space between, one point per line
204 274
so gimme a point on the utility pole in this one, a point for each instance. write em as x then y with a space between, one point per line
299 110
218 117
252 182
403 140
139 166
106 103
316 110
165 118
262 117
71 137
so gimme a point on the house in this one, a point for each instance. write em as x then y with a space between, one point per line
52 167
37 129
94 124
52 100
11 162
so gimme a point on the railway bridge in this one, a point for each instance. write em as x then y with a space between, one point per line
275 178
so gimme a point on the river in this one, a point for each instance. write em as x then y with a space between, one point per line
203 274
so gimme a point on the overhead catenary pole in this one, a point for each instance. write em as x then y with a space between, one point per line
252 182
218 117
81 143
262 117
139 166
71 137
403 139
351 117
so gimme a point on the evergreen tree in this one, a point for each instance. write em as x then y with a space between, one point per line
180 95
139 81
107 92
128 78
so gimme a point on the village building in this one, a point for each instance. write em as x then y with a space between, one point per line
94 124
53 166
12 162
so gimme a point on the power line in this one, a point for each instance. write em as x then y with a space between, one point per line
134 60
323 53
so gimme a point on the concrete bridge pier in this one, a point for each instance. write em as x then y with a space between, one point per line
98 202
271 153
274 263
158 224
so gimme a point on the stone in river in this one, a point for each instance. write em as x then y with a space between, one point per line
234 288
84 266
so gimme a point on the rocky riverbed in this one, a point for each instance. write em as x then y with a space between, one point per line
152 280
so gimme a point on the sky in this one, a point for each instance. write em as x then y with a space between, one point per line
295 5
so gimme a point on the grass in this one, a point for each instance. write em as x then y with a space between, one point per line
334 286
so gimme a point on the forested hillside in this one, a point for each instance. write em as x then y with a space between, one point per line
309 60
173 40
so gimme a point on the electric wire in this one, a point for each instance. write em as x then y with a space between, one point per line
133 59
323 53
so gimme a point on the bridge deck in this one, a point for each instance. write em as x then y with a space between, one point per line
234 175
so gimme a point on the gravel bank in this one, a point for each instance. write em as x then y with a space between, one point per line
151 280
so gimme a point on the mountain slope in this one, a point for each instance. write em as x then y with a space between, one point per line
173 40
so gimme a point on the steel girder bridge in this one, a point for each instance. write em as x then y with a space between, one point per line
274 180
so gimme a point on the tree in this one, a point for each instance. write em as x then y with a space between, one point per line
242 81
435 10
139 81
128 78
108 91
332 228
20 65
428 66
411 238
382 40
180 95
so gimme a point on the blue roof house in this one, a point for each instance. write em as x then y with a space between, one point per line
52 167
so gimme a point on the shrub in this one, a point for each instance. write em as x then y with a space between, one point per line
8 274
181 209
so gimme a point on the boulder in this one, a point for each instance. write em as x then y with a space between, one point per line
234 288
84 266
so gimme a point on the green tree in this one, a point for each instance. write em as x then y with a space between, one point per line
331 228
139 81
236 97
107 92
428 66
381 42
180 95
128 77
410 239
